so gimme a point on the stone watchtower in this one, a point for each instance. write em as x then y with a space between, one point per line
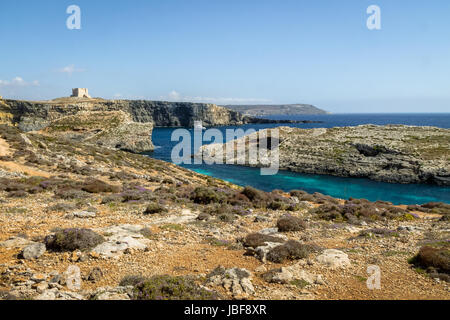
80 93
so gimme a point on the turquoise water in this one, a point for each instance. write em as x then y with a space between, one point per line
334 186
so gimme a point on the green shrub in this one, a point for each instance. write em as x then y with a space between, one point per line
155 208
70 193
146 232
436 258
62 207
204 195
290 223
277 205
98 186
131 280
254 240
73 239
167 287
380 232
253 194
291 250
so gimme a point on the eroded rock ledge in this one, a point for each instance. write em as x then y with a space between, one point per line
393 153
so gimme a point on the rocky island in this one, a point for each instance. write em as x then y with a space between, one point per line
393 153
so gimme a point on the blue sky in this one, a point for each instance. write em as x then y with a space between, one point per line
232 52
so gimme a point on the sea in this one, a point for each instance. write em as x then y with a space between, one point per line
339 187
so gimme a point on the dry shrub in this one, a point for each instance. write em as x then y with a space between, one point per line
291 250
289 223
73 239
254 240
167 287
98 186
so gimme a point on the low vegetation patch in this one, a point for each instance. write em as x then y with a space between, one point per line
98 186
167 287
289 223
435 260
155 208
291 250
73 239
255 240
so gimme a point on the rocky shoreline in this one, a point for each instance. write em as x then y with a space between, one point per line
393 153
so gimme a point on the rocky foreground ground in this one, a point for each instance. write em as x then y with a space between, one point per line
392 153
139 228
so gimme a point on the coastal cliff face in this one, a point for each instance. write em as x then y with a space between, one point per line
120 124
32 116
395 154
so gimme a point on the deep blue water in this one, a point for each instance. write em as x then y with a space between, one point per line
334 186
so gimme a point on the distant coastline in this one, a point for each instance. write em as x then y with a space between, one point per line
268 110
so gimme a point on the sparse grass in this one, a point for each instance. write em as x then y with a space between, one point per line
172 226
300 283
360 278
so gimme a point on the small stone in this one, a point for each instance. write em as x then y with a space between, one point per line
49 294
319 280
94 255
74 256
261 268
40 287
95 275
39 277
261 219
82 215
33 251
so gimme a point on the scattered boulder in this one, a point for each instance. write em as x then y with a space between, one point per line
55 294
33 251
334 258
121 238
288 275
235 280
117 293
82 214
15 242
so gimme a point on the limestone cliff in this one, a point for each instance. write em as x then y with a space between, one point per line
36 115
90 119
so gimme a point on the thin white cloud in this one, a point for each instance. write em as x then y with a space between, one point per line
70 69
18 82
174 96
